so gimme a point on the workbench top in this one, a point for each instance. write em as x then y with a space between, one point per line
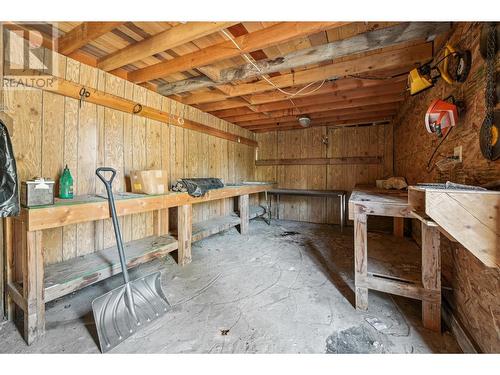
380 202
90 208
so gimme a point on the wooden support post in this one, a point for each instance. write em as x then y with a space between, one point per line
243 208
431 275
184 233
360 256
28 265
399 226
9 265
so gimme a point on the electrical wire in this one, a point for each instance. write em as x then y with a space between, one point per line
251 61
429 170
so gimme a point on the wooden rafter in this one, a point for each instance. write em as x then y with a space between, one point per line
269 36
406 56
83 34
347 112
171 38
386 115
354 105
377 39
335 96
370 121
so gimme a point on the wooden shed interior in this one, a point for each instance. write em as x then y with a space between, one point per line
305 123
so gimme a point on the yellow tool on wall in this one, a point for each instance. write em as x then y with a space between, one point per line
454 66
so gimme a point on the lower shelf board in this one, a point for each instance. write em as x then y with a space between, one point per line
68 276
206 228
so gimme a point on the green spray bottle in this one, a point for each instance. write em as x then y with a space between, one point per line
66 184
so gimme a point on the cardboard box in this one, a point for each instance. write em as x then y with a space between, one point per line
149 182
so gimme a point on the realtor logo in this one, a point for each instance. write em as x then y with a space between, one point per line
27 54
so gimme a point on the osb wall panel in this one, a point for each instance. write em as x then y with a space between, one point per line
50 131
475 288
322 142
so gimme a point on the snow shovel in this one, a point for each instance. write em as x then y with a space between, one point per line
123 311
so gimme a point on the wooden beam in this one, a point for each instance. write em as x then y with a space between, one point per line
72 90
369 41
171 38
365 116
269 36
83 34
322 161
360 122
355 65
276 96
373 100
315 115
336 96
322 117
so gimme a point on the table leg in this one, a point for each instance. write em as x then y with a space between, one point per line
398 226
244 213
341 204
277 206
28 254
184 233
269 203
431 275
9 266
360 256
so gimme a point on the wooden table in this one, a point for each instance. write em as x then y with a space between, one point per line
312 193
30 285
367 201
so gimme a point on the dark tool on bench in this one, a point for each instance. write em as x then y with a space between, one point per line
125 310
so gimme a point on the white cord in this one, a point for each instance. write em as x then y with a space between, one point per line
298 93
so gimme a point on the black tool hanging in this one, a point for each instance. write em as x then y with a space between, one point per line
9 195
197 187
489 134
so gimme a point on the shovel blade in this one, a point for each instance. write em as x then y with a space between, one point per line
116 321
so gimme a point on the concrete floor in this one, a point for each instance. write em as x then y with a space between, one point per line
285 288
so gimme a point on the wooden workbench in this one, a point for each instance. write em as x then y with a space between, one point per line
367 201
30 285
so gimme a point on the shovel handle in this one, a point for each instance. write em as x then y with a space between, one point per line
99 174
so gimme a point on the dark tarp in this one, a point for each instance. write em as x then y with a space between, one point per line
9 196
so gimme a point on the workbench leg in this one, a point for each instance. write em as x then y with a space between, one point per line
244 213
29 256
342 207
184 233
431 275
9 266
360 256
399 226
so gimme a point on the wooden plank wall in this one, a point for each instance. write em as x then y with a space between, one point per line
323 142
50 131
474 287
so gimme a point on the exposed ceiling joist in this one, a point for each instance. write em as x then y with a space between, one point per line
369 41
316 115
380 60
269 36
168 39
368 121
321 116
83 34
381 99
336 96
328 87
326 120
275 96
